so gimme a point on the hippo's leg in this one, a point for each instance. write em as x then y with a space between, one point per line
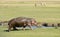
14 28
30 26
24 27
9 27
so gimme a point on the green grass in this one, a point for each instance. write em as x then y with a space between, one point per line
39 32
17 2
42 14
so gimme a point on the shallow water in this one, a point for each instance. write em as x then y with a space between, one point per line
34 27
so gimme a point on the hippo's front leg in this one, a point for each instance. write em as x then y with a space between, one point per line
30 26
24 27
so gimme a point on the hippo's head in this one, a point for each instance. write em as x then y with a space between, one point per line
34 22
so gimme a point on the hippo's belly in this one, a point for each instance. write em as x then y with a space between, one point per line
19 25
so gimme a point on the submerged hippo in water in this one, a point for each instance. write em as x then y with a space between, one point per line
21 22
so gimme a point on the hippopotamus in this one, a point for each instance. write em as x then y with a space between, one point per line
21 22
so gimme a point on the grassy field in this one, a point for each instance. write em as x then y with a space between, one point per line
49 13
42 14
38 32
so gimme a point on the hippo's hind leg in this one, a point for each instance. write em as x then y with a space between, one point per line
14 28
9 27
